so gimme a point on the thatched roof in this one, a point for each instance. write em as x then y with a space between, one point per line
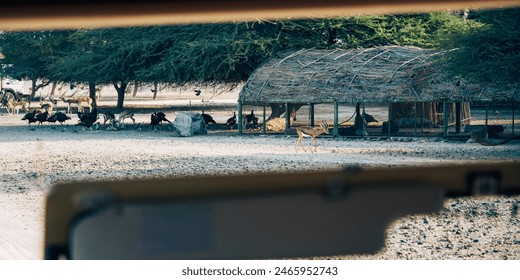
373 75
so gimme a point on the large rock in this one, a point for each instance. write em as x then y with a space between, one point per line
189 124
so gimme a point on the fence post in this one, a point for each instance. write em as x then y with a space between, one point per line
263 122
458 108
239 117
445 118
287 118
336 118
311 114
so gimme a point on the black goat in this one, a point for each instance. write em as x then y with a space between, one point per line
88 119
158 118
251 119
30 117
232 121
42 117
58 116
208 118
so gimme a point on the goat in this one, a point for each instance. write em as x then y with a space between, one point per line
42 117
30 117
157 118
58 116
208 118
232 121
88 119
251 119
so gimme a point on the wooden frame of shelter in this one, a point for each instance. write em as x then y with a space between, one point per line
383 75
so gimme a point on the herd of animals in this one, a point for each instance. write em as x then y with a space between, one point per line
45 113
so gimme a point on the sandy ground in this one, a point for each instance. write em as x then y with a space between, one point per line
36 157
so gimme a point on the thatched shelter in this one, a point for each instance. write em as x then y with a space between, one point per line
384 75
380 74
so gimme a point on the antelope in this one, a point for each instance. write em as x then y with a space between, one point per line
13 106
78 100
120 119
312 132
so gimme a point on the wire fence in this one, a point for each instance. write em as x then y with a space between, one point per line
408 120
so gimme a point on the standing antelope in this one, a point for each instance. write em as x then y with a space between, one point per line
78 100
15 106
307 131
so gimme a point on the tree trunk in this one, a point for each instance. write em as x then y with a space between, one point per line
120 93
33 89
154 91
135 89
278 109
92 92
54 84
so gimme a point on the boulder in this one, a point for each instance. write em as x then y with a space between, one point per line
189 124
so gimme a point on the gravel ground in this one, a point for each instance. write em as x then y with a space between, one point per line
36 157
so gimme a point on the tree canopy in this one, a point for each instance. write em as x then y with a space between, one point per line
489 51
208 54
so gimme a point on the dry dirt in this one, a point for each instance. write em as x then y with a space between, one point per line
36 157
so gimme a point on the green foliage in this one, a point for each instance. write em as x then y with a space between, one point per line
28 54
488 52
205 54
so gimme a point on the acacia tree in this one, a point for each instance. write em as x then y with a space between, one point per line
488 53
28 55
106 56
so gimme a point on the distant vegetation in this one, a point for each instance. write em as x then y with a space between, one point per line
207 54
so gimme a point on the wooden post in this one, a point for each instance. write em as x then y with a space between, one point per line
445 118
239 117
311 114
389 119
336 118
263 122
458 108
287 118
415 119
513 119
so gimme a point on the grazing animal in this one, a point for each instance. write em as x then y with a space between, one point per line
117 121
88 119
58 116
157 118
232 121
208 118
109 116
312 132
42 117
30 117
251 119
